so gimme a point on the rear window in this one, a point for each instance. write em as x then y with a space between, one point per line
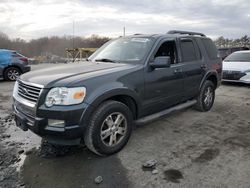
188 50
210 48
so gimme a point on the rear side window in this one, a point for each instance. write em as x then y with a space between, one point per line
188 50
210 48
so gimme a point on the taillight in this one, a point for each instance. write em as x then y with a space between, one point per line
25 60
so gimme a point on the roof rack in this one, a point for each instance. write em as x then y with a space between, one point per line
185 32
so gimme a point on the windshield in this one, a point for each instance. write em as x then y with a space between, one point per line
123 50
238 57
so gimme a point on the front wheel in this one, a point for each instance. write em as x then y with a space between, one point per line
109 129
206 97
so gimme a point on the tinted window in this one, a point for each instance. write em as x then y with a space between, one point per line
210 48
188 50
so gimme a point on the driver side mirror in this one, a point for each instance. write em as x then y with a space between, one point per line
161 62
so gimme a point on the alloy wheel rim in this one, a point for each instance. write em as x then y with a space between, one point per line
113 129
13 74
208 96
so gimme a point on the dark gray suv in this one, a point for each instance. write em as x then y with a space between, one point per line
129 80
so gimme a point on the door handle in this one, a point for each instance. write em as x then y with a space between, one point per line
177 71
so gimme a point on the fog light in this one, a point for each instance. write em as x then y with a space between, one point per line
56 123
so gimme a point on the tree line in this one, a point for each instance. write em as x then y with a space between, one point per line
50 45
56 45
238 42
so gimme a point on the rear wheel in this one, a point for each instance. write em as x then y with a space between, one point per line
11 73
109 129
206 97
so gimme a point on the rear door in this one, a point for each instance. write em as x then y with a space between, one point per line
193 66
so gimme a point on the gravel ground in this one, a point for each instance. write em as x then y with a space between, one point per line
187 149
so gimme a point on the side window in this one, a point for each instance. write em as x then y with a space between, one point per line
210 48
188 52
168 48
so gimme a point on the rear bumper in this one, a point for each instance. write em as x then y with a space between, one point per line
26 68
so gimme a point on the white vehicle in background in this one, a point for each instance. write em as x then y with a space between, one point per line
236 67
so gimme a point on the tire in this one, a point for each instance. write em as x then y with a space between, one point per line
206 97
102 131
12 73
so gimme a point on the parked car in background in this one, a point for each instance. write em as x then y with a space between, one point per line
224 52
12 64
236 67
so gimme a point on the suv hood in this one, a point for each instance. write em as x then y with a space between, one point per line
67 73
236 65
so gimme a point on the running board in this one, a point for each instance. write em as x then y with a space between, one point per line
165 112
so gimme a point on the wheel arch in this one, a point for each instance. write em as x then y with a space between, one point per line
212 76
9 66
125 96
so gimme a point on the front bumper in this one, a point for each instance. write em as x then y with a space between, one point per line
236 76
73 130
237 81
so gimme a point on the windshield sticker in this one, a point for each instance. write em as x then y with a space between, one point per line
139 39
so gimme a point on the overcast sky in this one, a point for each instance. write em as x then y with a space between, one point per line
29 19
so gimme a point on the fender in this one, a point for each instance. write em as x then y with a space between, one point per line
94 101
209 73
97 100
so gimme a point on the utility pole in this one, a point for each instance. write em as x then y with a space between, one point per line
73 34
124 31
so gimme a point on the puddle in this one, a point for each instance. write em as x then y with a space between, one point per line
77 167
207 155
44 165
14 143
173 175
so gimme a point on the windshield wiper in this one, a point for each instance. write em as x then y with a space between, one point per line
106 60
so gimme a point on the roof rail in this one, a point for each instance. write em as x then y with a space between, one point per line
185 32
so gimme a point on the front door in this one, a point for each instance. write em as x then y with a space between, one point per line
163 86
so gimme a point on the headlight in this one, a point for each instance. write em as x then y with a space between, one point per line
65 96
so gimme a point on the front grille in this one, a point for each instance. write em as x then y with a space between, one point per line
28 91
232 75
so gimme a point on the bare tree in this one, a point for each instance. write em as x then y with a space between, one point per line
240 42
50 45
